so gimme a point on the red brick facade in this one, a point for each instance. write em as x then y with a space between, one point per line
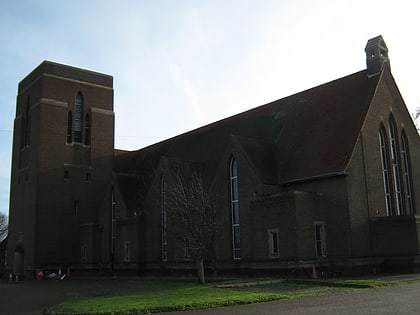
310 180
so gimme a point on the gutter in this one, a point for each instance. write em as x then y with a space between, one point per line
316 177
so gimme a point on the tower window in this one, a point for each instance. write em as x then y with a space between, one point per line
66 175
78 118
22 132
25 127
27 124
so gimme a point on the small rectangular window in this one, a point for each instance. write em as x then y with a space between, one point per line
66 175
20 236
84 252
88 177
320 246
76 208
127 254
187 254
273 243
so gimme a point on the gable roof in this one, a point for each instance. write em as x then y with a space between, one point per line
307 134
322 126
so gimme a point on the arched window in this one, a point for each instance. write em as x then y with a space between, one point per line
25 126
385 170
87 129
163 214
395 166
234 197
407 175
22 131
69 126
113 226
27 123
78 118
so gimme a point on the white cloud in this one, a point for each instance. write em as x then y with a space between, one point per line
182 82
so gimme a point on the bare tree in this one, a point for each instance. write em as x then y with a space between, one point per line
191 210
3 226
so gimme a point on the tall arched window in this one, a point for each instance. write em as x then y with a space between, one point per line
234 197
78 118
395 166
27 123
163 214
87 129
69 127
409 206
385 170
22 131
113 226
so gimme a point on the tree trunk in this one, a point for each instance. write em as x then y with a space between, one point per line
200 270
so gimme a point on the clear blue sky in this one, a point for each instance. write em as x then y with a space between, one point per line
178 65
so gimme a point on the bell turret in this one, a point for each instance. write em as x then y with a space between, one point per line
376 55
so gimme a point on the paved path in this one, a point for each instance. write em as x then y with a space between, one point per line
31 297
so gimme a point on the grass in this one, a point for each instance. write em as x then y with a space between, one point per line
180 298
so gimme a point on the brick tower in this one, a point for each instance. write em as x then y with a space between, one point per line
63 144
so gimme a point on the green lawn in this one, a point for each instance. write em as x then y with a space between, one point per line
176 296
181 298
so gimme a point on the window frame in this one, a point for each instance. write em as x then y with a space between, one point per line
87 130
235 209
395 167
76 208
406 162
78 116
84 253
320 239
164 217
273 243
384 151
69 138
127 251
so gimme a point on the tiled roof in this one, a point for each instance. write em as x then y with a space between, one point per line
307 134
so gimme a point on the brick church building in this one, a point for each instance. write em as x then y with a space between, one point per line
328 176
